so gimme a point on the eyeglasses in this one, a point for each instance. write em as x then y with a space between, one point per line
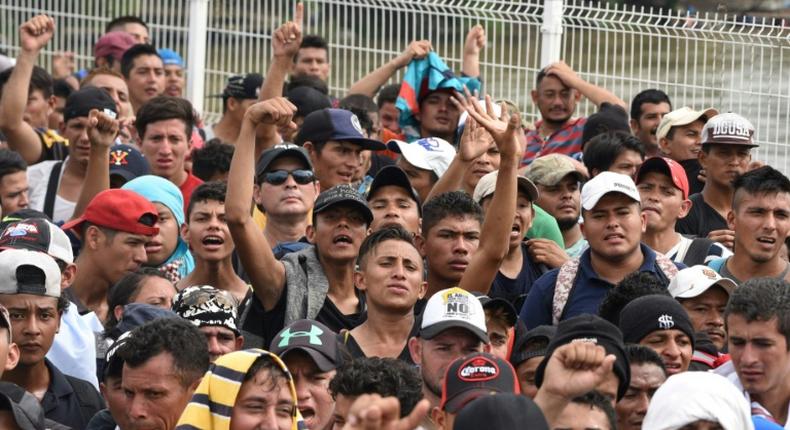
278 177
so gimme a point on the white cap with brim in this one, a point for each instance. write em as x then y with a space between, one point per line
29 272
430 153
681 117
605 183
695 280
453 308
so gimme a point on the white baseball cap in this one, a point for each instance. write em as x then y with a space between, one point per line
29 272
429 153
680 117
695 280
453 307
605 183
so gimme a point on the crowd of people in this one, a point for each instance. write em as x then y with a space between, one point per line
407 255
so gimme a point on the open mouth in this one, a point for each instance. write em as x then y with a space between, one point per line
213 241
342 238
766 240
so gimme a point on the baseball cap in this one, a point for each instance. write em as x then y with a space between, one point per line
474 375
29 272
500 303
308 100
20 215
540 333
695 280
137 314
121 210
605 183
113 44
393 175
429 153
243 86
342 194
682 116
728 129
669 167
653 312
281 150
38 234
25 408
81 102
487 185
206 306
453 307
170 57
335 124
596 330
501 411
127 162
550 169
311 337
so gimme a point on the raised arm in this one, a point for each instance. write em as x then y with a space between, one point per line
33 36
499 217
594 93
475 42
370 83
102 130
267 274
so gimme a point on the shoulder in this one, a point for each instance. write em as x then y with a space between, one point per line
41 168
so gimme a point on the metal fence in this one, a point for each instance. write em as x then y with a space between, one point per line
730 62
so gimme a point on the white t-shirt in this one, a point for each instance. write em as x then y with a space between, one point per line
38 179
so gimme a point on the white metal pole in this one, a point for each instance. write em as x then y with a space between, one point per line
551 32
196 70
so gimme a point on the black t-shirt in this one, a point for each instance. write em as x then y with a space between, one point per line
511 289
692 168
356 352
701 219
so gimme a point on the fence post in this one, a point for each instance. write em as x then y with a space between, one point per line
196 68
551 32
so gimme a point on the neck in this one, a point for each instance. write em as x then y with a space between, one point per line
572 235
661 241
745 268
615 271
284 229
179 177
227 129
548 127
340 276
89 285
388 327
719 197
219 274
73 168
776 401
34 378
450 136
436 283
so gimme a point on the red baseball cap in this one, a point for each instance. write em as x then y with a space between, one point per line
668 167
121 210
114 44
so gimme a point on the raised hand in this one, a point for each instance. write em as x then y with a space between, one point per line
36 32
475 40
503 129
564 73
276 111
417 49
576 368
287 38
475 141
102 129
373 412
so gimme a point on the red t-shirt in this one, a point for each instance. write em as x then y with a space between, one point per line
187 187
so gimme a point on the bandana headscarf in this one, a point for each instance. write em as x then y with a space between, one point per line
212 404
159 190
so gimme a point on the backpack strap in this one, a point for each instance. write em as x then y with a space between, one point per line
667 266
52 189
566 277
698 251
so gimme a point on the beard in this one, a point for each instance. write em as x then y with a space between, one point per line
566 224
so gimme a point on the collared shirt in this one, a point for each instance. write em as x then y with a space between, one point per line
567 140
728 371
70 401
588 293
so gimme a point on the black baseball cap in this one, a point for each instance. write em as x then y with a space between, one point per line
127 162
476 375
311 337
501 411
20 215
335 124
500 303
82 101
342 194
543 333
393 175
308 100
281 150
243 86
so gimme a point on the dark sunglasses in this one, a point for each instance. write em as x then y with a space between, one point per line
277 177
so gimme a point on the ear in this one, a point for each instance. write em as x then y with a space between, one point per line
310 148
634 125
185 232
93 237
419 242
359 281
118 312
731 220
663 145
437 416
67 277
534 95
256 194
310 233
51 102
239 343
577 95
702 157
13 357
61 127
194 385
685 207
643 217
423 290
487 347
415 350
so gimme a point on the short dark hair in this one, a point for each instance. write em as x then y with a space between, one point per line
124 291
653 96
449 204
61 88
161 108
313 41
539 77
40 80
213 190
372 242
640 354
763 180
127 61
360 105
212 159
633 286
382 376
762 299
596 400
11 162
388 94
601 151
175 336
123 20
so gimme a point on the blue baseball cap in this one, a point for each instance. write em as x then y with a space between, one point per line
127 162
335 124
170 57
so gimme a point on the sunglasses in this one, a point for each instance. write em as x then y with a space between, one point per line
278 177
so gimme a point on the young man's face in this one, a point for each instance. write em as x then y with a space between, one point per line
724 163
662 202
312 62
707 314
761 223
685 141
13 192
522 220
263 402
112 391
499 332
119 255
37 110
614 227
577 416
206 231
342 407
162 246
562 201
146 79
435 355
75 131
482 165
555 100
174 80
392 205
449 245
156 291
391 276
336 163
674 347
525 372
312 390
137 31
632 408
388 116
34 322
117 89
421 180
165 145
759 353
438 116
644 127
289 199
221 341
338 233
627 163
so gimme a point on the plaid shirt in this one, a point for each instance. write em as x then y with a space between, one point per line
567 140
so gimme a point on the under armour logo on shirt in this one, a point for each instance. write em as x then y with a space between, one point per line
666 322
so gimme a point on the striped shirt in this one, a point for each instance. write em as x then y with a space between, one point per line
567 140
